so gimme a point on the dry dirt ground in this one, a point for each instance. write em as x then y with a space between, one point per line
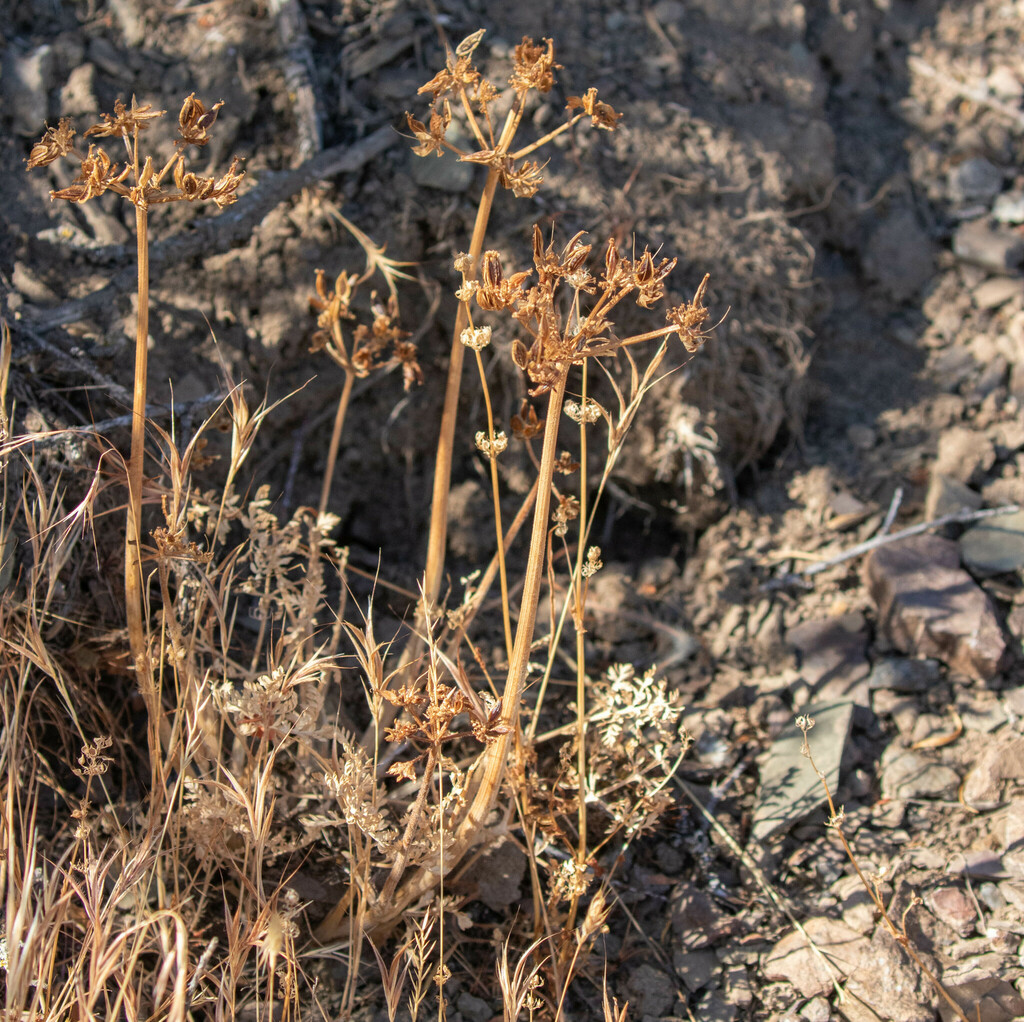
849 173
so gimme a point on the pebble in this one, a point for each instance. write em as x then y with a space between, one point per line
964 454
947 495
951 906
995 545
900 255
78 97
25 87
833 656
794 961
1009 208
651 990
974 180
997 762
997 291
912 774
930 606
695 968
993 248
790 790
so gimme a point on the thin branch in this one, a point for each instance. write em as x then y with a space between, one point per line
797 578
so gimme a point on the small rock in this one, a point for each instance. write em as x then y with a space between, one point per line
25 87
78 97
498 876
861 437
902 675
445 173
930 606
816 1010
946 496
995 545
651 991
975 180
900 255
833 656
998 761
1005 83
909 774
695 968
711 1008
1009 208
951 906
991 999
795 962
891 984
696 920
996 291
474 1009
964 454
992 248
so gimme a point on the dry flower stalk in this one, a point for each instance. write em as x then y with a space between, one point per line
140 183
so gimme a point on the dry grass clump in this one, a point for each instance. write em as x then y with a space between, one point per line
159 877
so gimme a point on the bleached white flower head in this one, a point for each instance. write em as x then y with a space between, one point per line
476 338
589 412
492 448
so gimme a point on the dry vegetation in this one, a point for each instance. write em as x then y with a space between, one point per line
168 771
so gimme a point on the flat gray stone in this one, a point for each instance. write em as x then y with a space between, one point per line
995 545
899 674
790 789
833 657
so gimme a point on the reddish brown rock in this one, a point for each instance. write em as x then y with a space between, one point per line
930 606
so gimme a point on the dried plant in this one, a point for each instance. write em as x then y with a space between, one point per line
174 901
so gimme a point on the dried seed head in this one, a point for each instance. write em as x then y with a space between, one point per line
431 140
526 425
594 563
601 114
195 121
97 174
476 338
126 121
533 66
55 143
690 317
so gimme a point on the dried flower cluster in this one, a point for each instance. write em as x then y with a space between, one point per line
148 187
560 339
381 345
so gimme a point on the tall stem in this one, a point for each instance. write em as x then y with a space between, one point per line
332 453
133 578
438 536
497 752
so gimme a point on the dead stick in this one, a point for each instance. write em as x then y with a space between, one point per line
955 517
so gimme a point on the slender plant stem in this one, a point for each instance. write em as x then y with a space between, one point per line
133 579
506 614
332 452
496 756
438 537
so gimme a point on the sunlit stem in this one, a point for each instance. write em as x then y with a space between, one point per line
497 508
